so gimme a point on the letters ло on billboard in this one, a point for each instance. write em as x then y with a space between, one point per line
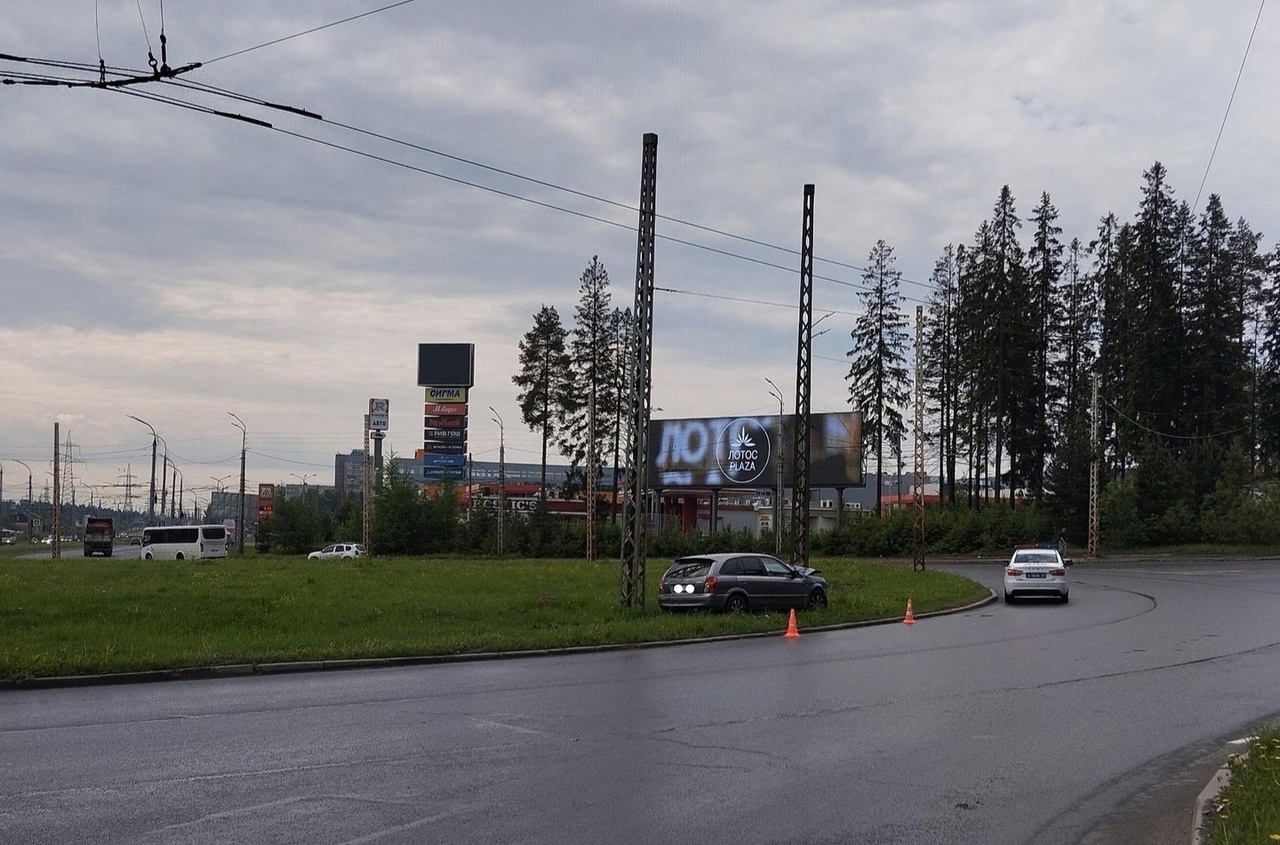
745 451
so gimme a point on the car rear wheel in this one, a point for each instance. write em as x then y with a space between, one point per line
1008 599
736 603
817 599
1065 598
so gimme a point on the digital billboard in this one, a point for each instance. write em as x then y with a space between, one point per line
745 451
446 364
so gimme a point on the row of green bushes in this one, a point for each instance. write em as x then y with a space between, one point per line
1237 511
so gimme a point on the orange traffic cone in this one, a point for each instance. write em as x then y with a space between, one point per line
911 617
791 626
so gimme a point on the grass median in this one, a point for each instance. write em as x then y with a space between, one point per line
79 617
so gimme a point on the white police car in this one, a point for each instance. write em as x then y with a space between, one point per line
1040 573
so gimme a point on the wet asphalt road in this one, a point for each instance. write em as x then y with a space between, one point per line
1036 723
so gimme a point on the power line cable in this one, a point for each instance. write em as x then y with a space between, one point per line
522 198
1230 100
546 184
314 29
142 77
145 34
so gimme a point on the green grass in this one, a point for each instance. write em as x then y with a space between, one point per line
77 616
1249 807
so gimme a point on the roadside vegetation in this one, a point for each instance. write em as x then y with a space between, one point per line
406 522
1248 810
74 617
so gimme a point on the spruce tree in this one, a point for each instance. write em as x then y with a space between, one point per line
977 352
1214 319
941 365
1251 267
1074 339
593 368
1010 300
879 386
1268 426
1045 318
1159 324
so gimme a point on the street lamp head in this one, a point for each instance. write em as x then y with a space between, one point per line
775 392
144 422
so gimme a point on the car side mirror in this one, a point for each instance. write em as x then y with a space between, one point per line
1068 561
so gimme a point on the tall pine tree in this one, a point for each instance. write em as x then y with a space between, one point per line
593 368
1044 320
941 364
544 378
878 372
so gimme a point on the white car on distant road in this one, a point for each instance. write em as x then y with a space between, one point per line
346 551
1036 572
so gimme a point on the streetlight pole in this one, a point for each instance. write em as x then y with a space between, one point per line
24 463
167 491
244 442
777 499
303 478
176 508
151 501
502 475
220 488
164 478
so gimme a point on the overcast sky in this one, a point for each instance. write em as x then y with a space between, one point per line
175 266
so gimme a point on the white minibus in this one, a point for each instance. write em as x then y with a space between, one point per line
184 542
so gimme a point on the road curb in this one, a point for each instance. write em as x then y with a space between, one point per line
234 670
1206 803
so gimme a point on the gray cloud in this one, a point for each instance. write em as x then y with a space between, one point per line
176 266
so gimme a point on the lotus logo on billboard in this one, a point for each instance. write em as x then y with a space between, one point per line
740 451
743 450
713 452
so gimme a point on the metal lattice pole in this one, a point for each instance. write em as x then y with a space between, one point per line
367 516
918 558
502 490
1093 476
779 470
634 539
804 355
591 476
57 499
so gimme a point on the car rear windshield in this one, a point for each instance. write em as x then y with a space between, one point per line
1037 557
690 568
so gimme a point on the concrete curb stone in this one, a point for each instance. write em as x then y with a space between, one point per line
1206 803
